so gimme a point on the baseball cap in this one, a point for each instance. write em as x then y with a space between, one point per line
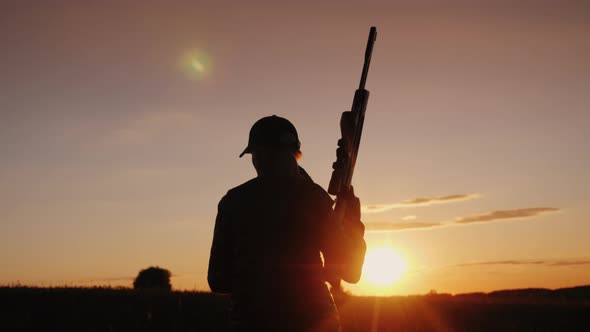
273 132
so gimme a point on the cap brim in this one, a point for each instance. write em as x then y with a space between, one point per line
246 150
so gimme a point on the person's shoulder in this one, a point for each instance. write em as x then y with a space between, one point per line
242 189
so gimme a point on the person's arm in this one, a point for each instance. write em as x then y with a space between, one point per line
221 260
344 246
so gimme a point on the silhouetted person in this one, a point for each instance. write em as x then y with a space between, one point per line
270 235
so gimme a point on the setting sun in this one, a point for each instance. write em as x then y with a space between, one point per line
383 266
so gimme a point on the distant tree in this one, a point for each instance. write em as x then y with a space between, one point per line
153 277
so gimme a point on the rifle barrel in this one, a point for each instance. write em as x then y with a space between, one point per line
368 53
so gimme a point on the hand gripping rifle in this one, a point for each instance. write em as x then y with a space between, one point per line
351 127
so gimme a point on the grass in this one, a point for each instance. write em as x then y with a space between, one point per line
123 309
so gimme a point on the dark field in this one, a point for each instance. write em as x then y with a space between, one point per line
105 309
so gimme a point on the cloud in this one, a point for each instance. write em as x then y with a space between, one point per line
390 226
545 262
108 279
569 262
440 199
506 262
420 201
505 215
493 216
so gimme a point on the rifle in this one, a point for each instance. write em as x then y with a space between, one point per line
351 128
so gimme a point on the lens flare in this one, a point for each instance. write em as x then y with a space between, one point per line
196 64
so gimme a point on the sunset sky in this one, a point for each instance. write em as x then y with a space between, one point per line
121 123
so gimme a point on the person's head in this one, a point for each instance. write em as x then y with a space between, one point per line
274 145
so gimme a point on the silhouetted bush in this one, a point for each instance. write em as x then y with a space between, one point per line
153 277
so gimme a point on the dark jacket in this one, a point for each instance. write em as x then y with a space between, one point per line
270 237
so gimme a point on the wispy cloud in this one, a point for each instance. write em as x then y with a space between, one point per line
108 279
391 226
569 262
544 262
494 216
505 215
420 201
505 262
